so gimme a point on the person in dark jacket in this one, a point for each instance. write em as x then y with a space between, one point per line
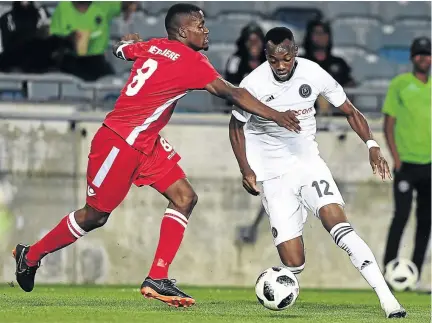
27 46
317 45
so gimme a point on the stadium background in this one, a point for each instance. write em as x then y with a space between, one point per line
47 122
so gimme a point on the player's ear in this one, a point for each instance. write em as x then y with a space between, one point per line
182 32
266 51
296 50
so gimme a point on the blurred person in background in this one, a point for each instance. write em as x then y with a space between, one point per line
407 127
249 55
24 28
318 46
88 23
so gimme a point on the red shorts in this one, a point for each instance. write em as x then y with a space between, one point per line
114 165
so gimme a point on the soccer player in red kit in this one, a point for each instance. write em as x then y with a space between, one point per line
127 149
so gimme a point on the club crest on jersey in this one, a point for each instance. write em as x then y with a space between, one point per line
305 91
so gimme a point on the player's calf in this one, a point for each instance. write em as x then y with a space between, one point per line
174 223
72 227
334 220
292 255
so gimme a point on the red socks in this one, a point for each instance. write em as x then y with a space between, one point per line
171 235
68 231
64 234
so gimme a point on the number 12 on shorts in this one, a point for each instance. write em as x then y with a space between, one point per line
323 183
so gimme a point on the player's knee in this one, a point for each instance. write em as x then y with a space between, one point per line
89 218
186 201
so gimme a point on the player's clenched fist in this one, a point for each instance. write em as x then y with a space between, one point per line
379 163
249 182
288 120
132 37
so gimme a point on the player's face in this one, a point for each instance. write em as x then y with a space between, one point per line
197 32
422 63
281 58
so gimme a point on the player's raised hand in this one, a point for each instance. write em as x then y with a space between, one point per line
134 37
379 163
288 120
249 182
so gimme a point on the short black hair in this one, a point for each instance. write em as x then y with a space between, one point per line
172 22
278 34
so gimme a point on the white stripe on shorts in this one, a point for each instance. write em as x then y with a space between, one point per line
106 166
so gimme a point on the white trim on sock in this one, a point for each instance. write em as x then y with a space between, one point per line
339 231
337 226
295 270
73 226
177 213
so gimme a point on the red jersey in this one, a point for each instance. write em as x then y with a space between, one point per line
163 72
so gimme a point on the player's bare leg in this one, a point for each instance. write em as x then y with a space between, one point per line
292 255
70 229
336 223
182 199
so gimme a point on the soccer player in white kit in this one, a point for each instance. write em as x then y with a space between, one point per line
290 173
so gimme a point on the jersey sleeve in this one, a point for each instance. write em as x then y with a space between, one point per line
331 89
239 114
130 51
203 74
391 102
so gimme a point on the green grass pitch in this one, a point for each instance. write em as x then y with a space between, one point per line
125 304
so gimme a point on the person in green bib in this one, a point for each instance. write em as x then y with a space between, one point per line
407 126
88 24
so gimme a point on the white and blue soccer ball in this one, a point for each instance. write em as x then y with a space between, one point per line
401 274
277 288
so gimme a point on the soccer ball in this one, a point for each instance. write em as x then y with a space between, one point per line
401 274
277 288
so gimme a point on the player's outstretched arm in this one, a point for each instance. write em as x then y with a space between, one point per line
238 144
360 125
245 101
125 40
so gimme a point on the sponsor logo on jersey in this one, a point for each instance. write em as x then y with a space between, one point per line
304 111
305 90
